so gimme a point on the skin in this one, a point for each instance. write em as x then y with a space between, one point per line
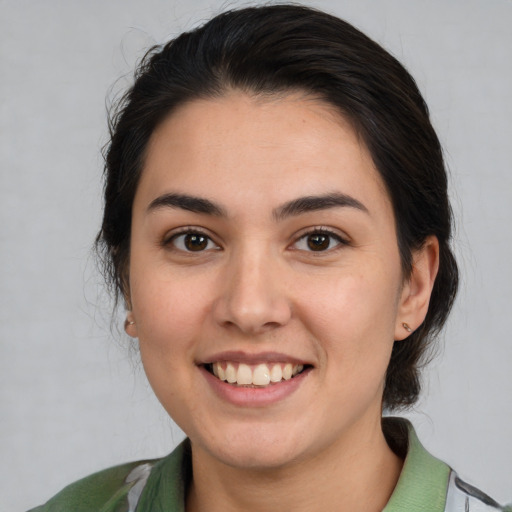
257 287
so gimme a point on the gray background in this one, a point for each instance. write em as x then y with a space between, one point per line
73 398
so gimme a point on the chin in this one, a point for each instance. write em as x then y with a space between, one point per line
257 458
254 449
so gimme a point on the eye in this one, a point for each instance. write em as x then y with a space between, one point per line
319 241
192 241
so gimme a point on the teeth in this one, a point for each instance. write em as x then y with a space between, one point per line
297 369
230 373
259 375
276 374
244 374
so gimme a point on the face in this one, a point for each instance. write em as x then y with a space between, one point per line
265 278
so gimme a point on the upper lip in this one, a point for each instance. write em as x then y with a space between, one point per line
252 358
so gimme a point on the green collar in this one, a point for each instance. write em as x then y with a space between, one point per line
422 483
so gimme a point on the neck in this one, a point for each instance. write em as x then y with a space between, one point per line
358 473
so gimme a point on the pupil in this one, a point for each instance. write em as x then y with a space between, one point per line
195 242
318 242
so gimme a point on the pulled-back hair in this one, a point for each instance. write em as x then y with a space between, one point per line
279 49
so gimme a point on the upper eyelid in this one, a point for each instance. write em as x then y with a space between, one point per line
184 230
172 235
324 230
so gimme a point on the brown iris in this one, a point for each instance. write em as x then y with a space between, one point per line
195 242
318 242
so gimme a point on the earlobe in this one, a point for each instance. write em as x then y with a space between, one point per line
130 326
415 296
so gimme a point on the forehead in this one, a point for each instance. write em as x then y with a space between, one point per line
245 145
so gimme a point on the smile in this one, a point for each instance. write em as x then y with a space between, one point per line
258 375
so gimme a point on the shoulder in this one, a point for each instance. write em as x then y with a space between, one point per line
105 490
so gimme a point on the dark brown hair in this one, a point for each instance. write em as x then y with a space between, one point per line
272 50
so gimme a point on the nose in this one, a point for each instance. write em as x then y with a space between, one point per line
253 297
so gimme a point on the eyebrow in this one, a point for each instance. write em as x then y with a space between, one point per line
189 203
315 203
292 208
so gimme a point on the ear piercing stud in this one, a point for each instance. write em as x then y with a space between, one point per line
406 327
128 322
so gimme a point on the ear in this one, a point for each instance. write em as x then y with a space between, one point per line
130 326
416 292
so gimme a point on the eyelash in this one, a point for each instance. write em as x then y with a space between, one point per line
171 240
340 241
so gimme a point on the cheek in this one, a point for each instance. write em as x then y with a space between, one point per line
169 325
166 315
352 303
353 321
163 297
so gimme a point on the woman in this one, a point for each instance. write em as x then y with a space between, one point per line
277 224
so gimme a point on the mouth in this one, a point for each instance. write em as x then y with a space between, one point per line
259 375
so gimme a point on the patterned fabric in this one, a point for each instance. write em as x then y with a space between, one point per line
426 484
464 497
137 478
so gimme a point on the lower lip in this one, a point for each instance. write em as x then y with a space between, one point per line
254 397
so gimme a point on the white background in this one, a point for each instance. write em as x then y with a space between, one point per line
73 398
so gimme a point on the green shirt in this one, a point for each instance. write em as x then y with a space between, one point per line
426 484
